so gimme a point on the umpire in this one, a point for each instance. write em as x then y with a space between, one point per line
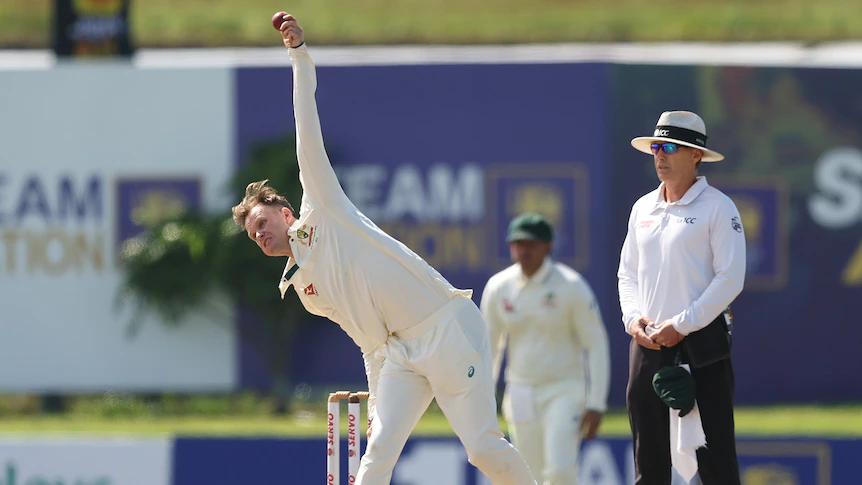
682 264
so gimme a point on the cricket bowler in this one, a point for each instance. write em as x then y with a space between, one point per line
420 337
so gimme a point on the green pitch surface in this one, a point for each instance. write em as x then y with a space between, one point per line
779 421
170 23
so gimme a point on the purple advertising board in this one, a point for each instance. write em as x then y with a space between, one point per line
442 157
427 461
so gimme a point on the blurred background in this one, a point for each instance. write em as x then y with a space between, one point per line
141 334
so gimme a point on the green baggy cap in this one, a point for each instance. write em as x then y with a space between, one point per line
675 386
530 227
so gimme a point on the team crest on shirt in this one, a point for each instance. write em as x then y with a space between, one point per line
305 234
736 224
507 306
309 290
550 300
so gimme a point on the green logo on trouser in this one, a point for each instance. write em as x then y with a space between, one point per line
471 371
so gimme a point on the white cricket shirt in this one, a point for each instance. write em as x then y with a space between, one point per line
553 326
683 261
350 271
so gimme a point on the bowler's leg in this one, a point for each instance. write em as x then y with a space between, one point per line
473 416
463 387
402 398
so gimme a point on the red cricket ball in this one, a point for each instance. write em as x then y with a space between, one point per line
278 19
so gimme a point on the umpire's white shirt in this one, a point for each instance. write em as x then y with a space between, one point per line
550 320
684 260
349 270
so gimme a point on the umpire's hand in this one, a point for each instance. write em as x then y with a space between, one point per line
639 333
291 32
666 335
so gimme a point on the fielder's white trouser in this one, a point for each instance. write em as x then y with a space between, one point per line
452 363
544 422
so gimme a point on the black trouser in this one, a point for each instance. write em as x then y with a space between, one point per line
650 420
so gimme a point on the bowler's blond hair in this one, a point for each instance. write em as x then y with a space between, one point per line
258 193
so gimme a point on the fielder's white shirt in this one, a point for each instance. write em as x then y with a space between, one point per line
684 260
350 271
553 326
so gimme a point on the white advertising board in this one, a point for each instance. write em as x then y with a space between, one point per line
83 148
85 462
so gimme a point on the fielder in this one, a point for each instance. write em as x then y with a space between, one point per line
558 366
420 337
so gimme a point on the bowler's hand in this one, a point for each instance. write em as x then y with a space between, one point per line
590 424
666 335
291 32
638 329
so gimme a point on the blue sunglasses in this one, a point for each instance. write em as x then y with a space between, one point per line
665 147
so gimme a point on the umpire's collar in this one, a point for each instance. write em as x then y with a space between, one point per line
699 186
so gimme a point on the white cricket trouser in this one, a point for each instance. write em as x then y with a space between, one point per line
452 363
549 438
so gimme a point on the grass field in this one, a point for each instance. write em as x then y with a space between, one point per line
26 23
819 421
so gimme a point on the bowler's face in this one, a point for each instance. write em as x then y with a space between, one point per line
267 226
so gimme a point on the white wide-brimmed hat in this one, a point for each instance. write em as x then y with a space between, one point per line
683 127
